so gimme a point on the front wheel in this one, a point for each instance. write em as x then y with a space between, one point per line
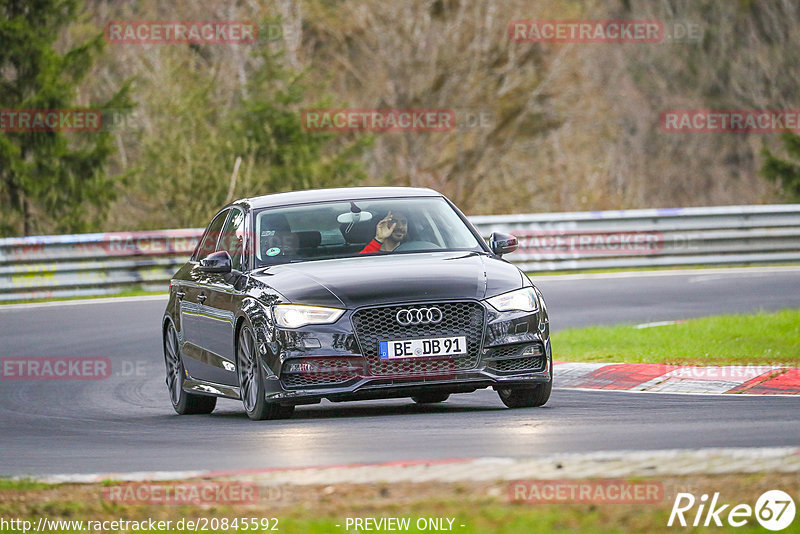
251 383
184 403
526 397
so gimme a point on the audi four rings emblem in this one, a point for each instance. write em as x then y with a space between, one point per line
419 316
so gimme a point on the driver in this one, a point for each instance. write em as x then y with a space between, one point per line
390 232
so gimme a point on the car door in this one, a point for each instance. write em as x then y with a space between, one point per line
220 296
192 304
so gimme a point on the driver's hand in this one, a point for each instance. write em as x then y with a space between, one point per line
385 228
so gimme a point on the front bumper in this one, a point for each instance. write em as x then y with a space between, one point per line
507 350
366 388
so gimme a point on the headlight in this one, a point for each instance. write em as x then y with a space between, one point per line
296 315
522 299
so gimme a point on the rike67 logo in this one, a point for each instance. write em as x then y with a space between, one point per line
774 510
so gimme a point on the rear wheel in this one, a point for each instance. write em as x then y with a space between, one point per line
184 403
430 398
251 384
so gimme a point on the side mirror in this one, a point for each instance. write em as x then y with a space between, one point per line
216 262
502 243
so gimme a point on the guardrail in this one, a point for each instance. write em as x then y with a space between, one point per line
651 237
108 263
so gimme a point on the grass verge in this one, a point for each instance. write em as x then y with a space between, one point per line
481 507
752 339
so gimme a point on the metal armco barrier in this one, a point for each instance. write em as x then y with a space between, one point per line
651 237
92 264
108 263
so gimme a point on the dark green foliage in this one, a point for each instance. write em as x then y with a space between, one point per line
786 173
49 180
184 175
269 133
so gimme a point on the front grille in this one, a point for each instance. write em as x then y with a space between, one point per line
507 351
324 372
509 358
298 380
534 363
513 351
379 324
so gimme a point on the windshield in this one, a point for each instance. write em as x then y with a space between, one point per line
347 229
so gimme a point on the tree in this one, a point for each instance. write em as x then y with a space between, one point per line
785 173
198 128
281 155
49 180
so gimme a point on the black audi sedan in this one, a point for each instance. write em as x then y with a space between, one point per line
351 294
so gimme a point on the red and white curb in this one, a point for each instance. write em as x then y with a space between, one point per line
612 464
658 378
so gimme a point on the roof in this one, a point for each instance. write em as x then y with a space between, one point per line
336 194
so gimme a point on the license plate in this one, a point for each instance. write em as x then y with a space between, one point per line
415 348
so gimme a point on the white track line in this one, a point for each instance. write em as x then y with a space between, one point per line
606 464
105 300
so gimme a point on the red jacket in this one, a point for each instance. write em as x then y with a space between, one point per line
372 246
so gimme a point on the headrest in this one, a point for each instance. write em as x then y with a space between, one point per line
362 232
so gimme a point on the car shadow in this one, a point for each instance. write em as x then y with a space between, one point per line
363 409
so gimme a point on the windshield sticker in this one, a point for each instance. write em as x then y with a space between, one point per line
274 251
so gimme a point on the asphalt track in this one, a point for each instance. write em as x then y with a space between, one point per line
125 423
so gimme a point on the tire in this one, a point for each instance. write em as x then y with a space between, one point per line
526 397
184 403
251 381
430 398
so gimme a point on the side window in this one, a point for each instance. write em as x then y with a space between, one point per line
209 240
233 238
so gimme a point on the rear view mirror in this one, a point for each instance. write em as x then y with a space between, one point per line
353 218
502 243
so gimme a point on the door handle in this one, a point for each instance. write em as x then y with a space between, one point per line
180 295
201 297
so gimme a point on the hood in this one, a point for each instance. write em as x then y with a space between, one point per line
383 279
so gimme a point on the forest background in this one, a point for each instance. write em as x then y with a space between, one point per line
541 127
